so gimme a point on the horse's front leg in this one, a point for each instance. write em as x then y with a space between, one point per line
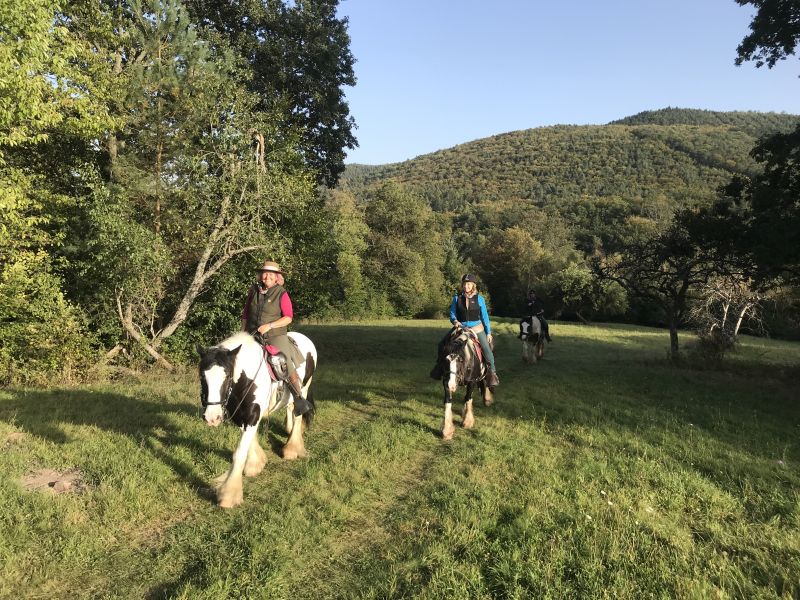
449 383
229 492
467 417
256 457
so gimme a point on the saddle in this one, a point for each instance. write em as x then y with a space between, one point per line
274 358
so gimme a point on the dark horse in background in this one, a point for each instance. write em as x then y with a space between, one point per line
462 363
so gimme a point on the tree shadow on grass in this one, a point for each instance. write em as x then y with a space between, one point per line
46 414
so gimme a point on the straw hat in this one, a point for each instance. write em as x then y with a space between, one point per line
270 266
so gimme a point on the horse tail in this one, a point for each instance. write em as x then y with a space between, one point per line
309 416
310 368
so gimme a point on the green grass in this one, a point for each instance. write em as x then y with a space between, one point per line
601 472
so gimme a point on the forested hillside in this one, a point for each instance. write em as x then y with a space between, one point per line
557 208
673 155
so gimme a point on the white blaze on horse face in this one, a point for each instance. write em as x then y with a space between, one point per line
215 377
452 382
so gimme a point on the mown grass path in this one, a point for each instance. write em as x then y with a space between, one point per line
601 472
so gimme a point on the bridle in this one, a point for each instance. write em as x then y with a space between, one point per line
229 392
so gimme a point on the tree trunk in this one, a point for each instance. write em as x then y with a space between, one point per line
126 318
673 338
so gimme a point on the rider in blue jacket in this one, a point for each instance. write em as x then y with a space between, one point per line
468 311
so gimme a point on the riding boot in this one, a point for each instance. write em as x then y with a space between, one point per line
492 380
301 405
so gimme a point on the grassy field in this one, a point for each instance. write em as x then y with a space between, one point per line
601 472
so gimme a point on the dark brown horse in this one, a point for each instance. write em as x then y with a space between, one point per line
462 366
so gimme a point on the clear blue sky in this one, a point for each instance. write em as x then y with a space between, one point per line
436 73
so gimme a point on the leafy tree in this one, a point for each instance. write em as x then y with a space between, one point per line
763 213
197 178
405 254
663 266
760 215
586 296
46 90
774 32
350 232
300 60
509 262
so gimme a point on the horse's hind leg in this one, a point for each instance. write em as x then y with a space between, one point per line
467 417
229 493
289 417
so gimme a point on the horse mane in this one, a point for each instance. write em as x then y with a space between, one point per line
240 338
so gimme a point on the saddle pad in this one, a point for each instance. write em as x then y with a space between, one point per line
476 344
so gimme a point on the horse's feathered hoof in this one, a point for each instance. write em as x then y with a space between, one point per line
447 434
229 496
293 453
492 380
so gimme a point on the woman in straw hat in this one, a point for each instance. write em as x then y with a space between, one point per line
268 311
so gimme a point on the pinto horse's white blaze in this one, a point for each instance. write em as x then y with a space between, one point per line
237 365
215 379
452 379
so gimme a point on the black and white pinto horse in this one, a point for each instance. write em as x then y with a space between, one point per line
530 332
235 383
463 367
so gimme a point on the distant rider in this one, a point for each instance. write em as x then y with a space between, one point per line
535 308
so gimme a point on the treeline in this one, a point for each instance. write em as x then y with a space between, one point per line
569 210
152 152
681 161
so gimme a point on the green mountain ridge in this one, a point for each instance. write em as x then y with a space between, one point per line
655 158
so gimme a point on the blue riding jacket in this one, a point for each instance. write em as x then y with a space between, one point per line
484 315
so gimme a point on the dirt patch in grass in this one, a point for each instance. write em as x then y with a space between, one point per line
55 482
13 438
